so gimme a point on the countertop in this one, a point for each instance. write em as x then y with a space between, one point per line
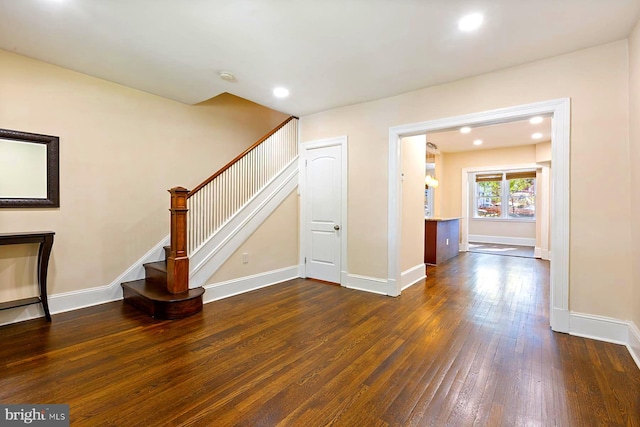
441 219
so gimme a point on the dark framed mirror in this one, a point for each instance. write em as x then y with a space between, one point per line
29 170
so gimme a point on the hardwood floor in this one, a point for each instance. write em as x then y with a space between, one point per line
470 345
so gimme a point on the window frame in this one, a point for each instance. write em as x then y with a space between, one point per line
504 197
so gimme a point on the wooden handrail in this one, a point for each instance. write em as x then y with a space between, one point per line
228 165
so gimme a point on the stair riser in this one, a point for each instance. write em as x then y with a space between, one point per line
155 275
162 309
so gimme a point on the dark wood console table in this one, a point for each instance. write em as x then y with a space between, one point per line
45 239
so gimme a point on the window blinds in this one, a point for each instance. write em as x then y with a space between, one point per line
486 177
520 175
497 176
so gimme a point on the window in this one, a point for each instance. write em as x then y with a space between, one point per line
506 195
522 194
489 195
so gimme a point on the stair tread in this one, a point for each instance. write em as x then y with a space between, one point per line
157 292
158 265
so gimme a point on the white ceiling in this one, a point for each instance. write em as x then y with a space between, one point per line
329 53
493 136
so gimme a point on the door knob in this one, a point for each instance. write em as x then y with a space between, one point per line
336 227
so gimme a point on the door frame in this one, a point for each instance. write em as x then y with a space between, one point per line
560 110
342 142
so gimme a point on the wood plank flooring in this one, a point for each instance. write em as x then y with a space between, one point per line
468 346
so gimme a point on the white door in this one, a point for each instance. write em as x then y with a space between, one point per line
323 207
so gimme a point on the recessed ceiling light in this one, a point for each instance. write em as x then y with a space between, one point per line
536 135
280 92
535 120
470 22
465 129
477 142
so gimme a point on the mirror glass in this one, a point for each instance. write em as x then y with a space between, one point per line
23 169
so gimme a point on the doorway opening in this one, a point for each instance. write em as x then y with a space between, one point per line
505 167
559 111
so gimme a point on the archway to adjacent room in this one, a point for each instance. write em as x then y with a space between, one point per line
559 110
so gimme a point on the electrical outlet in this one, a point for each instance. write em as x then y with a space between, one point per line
245 258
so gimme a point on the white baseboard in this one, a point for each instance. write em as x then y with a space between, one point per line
413 275
560 320
598 328
607 329
229 288
501 240
544 254
368 284
634 342
74 300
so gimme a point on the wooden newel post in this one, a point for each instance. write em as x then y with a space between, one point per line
178 261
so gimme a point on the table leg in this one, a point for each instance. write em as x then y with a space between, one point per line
43 265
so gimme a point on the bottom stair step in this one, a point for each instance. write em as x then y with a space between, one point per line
156 301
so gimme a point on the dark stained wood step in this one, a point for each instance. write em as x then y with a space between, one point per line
153 298
156 272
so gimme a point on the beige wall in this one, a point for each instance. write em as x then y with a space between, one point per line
273 246
120 150
543 152
634 143
595 79
524 230
414 151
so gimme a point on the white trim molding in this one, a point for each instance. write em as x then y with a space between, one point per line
229 288
542 205
633 343
413 275
607 329
599 328
560 153
503 240
365 283
341 141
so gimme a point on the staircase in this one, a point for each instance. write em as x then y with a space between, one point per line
197 216
151 296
